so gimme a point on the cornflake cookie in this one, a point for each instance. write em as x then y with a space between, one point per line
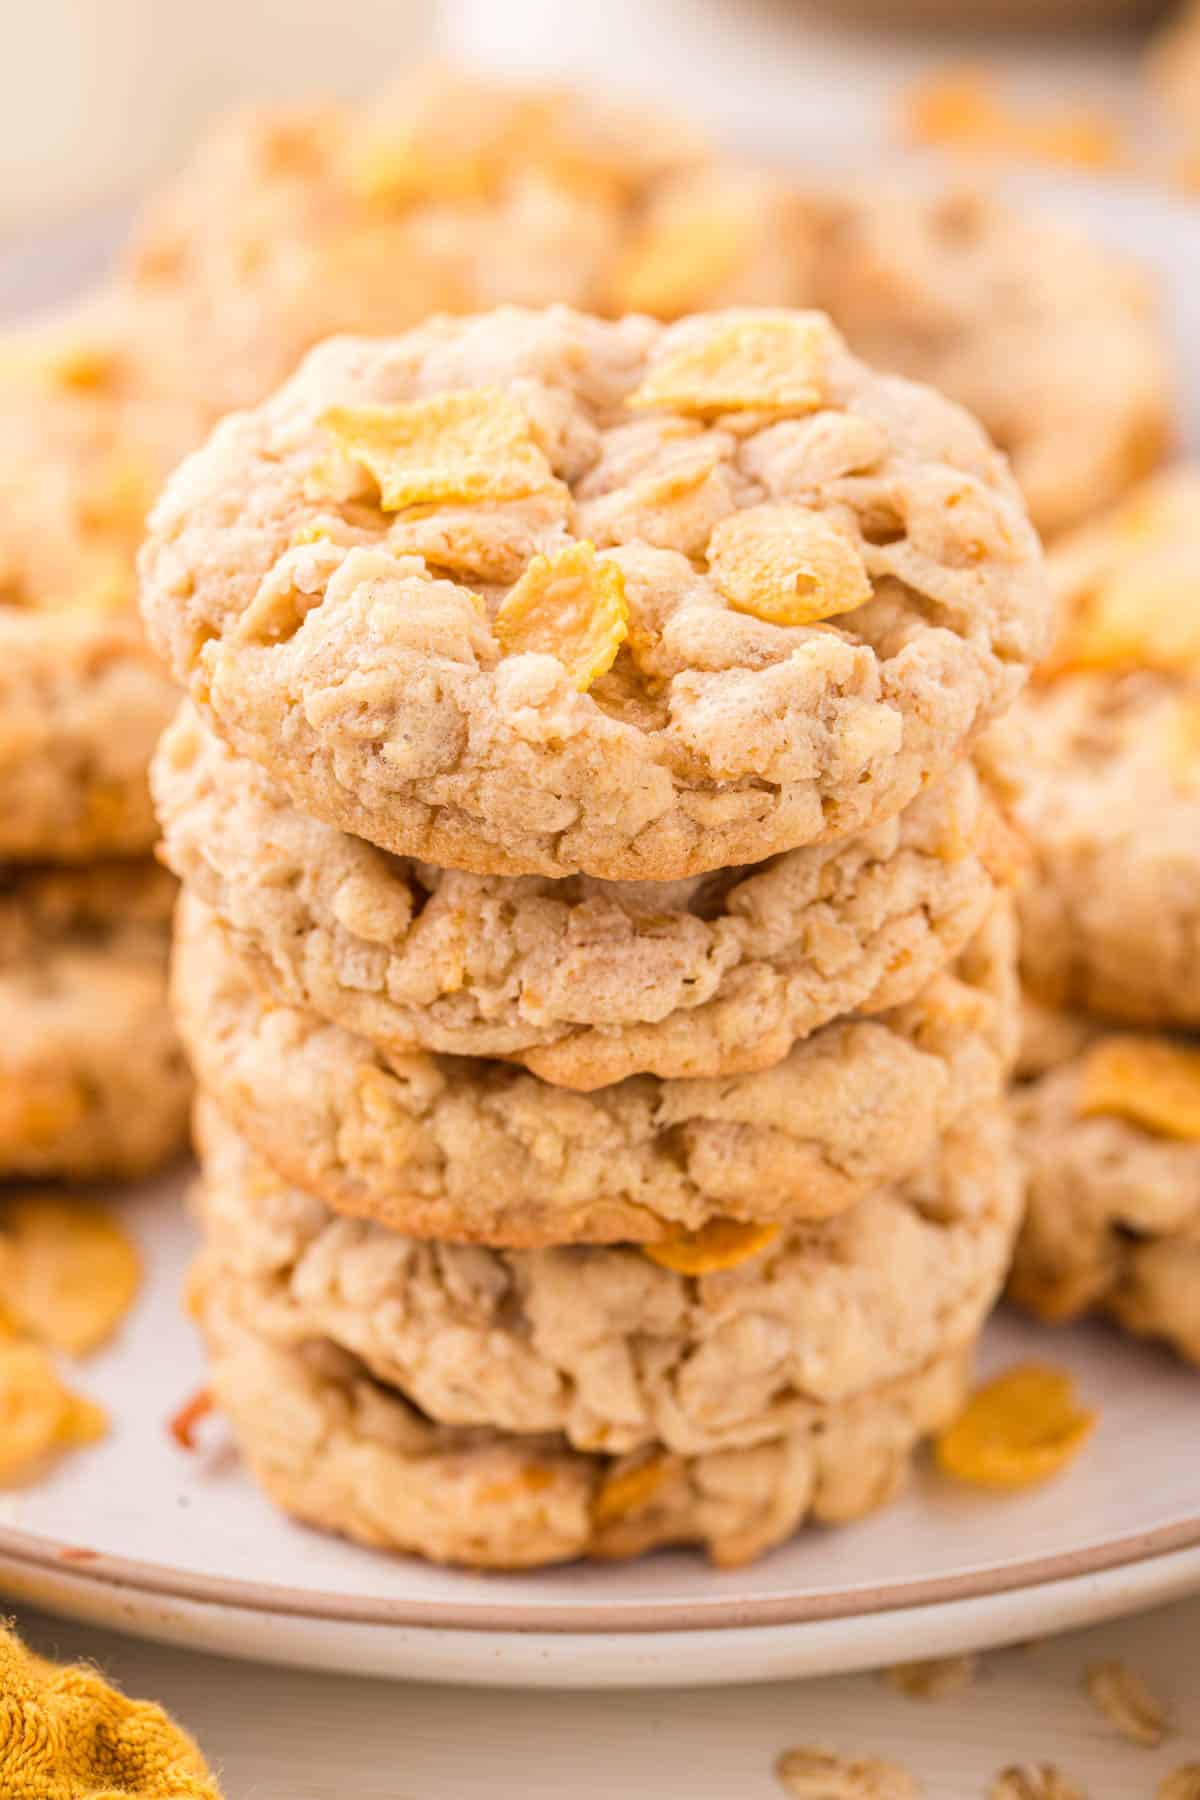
535 594
617 1349
1111 1147
446 192
475 1151
92 1079
338 1449
1051 341
583 981
87 434
1110 755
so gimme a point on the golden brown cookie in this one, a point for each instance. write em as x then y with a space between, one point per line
458 1148
532 593
583 981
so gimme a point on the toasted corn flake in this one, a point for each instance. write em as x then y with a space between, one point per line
787 565
629 1490
932 1680
769 362
813 1774
68 1271
571 606
38 1414
680 262
1127 1702
1150 1081
1181 1784
533 1479
721 1244
1143 615
468 444
1035 1781
1016 1430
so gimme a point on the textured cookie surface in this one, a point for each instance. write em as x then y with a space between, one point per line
92 1079
1110 768
334 1447
1110 1142
532 593
1052 342
615 1348
583 981
480 1151
87 434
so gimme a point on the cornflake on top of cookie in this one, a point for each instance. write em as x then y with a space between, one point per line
537 593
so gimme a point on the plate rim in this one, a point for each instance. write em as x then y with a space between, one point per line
593 1619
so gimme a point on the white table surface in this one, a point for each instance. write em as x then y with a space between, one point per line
283 1735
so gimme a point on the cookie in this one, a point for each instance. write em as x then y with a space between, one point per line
447 192
86 435
93 1082
584 982
338 1450
1110 1143
1054 343
478 1151
533 593
619 1349
1109 744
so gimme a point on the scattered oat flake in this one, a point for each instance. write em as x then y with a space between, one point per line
1034 1781
931 1680
1127 1702
787 565
182 1424
772 362
68 1272
721 1244
628 1490
1181 1784
1016 1430
1150 1081
813 1774
39 1415
571 606
466 444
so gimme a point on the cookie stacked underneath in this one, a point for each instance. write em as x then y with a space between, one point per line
92 1080
594 954
1110 1108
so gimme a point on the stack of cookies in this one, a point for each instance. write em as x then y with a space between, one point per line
1110 749
92 1080
594 955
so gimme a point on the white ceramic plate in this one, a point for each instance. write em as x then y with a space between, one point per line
139 1535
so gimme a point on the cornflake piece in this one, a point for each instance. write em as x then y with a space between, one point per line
1143 615
571 606
629 1490
67 1271
721 1244
931 1680
38 1414
1018 1429
1150 1081
787 565
766 362
1181 1784
1036 1781
1124 1698
813 1774
679 261
468 444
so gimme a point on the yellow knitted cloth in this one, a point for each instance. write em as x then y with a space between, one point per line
66 1735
